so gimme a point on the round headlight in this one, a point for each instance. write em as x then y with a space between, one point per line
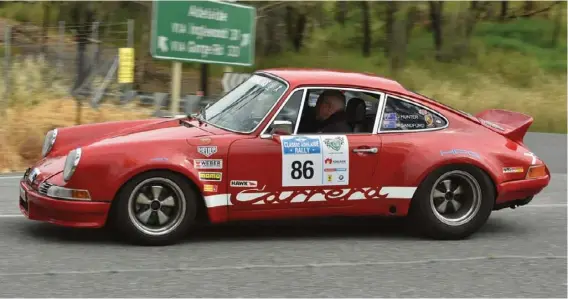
48 142
71 163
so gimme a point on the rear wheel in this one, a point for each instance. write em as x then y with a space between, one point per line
453 202
155 208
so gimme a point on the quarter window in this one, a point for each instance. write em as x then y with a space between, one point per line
290 110
404 116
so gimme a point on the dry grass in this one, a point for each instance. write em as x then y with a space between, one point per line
39 102
23 129
544 99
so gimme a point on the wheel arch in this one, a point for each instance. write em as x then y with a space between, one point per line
202 214
450 164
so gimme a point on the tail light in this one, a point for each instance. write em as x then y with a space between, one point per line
536 171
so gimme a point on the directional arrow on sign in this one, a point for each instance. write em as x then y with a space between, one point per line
245 39
163 43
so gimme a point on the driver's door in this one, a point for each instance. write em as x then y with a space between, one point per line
286 175
254 168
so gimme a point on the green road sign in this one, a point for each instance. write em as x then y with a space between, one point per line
203 31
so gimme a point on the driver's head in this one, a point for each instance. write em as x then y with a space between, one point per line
329 102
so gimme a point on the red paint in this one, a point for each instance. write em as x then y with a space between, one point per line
115 152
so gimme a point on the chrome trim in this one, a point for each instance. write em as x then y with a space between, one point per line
44 187
412 102
267 113
305 88
54 187
76 159
51 142
33 175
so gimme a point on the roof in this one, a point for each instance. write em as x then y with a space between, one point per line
300 76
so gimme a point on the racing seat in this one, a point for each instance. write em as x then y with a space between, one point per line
356 110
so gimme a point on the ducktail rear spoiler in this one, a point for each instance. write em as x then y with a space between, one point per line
513 125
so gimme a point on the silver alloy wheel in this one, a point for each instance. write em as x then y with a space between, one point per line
455 198
156 206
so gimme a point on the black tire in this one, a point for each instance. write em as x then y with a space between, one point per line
125 221
425 217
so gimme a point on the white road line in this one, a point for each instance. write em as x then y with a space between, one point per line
11 216
261 266
11 177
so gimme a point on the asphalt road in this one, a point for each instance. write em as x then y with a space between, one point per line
518 253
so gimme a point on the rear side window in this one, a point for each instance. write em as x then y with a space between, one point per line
404 116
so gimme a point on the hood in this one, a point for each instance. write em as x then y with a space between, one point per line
79 136
153 135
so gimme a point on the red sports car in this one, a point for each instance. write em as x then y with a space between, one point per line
258 153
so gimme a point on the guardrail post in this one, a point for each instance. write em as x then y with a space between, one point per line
7 73
61 43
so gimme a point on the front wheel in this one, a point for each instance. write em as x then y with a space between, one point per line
155 208
453 202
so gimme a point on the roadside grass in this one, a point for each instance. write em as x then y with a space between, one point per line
39 103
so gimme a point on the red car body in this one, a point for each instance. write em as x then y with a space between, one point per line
251 182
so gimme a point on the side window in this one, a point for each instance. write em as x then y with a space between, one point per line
290 110
404 116
357 116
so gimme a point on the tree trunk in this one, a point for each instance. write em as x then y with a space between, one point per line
391 10
436 20
557 24
366 29
504 10
44 32
341 12
527 8
295 25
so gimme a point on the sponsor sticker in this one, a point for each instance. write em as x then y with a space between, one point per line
409 117
334 143
207 151
210 188
307 161
460 152
210 176
208 164
390 116
237 183
329 160
429 119
389 124
513 169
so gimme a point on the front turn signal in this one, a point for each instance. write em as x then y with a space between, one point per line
536 171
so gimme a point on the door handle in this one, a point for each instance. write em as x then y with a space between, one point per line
372 150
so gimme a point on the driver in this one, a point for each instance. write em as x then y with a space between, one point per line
330 112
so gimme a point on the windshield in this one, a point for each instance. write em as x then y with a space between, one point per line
244 107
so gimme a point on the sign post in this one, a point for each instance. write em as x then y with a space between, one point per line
211 32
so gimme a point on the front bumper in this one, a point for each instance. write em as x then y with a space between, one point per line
519 192
71 213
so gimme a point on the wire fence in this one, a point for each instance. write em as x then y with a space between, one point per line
75 61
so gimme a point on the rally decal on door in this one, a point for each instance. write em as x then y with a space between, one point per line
315 160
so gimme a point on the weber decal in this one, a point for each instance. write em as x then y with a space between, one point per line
513 169
210 176
208 164
207 151
210 188
244 184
